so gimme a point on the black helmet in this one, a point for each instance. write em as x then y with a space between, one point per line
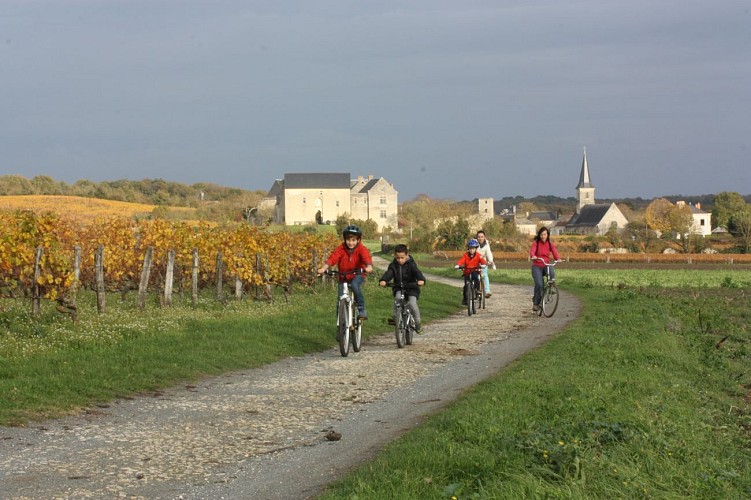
352 229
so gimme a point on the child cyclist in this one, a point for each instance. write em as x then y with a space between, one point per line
349 257
471 261
487 254
404 271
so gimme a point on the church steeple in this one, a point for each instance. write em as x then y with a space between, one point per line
585 191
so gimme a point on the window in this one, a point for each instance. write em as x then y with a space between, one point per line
383 214
701 222
337 203
303 201
383 200
354 201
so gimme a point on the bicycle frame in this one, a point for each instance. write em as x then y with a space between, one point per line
476 288
404 320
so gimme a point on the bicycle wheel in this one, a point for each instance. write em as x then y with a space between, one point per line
356 332
343 334
482 293
468 297
399 327
550 300
410 328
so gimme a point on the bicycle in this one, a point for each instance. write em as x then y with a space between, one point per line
404 321
472 292
348 324
549 300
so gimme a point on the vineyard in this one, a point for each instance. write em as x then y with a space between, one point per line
48 256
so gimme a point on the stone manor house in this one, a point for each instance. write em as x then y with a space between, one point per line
319 198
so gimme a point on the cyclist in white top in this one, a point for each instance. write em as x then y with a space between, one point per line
487 254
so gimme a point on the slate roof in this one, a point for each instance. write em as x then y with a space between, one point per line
367 186
542 215
317 181
584 181
589 215
276 188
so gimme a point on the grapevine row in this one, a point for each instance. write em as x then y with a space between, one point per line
38 253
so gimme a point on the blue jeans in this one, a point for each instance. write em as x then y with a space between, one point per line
356 285
537 274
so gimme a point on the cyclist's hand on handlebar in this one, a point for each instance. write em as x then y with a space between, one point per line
381 283
457 266
323 270
369 268
420 282
492 264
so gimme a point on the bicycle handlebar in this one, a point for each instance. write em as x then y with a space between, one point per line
471 268
402 285
553 263
336 272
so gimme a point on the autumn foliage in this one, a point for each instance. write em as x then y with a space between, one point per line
248 253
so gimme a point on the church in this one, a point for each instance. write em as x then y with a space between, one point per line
591 217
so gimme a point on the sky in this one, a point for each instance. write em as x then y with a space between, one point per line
453 99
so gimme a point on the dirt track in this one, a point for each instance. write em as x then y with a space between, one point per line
262 433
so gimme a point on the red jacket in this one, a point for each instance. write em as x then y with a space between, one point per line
542 250
471 261
347 260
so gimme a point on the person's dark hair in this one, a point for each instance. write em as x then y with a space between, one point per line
480 231
539 231
401 248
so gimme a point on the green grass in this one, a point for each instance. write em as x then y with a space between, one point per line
639 398
50 367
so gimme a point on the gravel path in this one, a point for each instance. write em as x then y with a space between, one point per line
262 433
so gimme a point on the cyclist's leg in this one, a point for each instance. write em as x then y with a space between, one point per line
486 279
552 273
464 295
476 279
356 285
412 304
397 298
537 272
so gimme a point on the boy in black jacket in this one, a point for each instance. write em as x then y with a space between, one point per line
403 270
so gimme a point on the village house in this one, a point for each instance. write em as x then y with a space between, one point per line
319 198
702 221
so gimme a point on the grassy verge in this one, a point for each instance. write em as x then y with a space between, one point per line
50 366
646 395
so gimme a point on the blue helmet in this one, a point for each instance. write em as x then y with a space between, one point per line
472 243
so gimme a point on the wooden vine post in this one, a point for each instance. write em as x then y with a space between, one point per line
99 275
219 276
145 272
194 278
35 292
169 278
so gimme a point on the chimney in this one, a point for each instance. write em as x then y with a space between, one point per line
370 177
698 206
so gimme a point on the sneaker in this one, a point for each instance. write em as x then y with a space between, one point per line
535 308
362 314
391 321
488 295
418 328
551 281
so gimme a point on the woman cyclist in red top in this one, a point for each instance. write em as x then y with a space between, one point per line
349 257
542 248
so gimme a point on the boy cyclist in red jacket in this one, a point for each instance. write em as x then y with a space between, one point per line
349 257
471 262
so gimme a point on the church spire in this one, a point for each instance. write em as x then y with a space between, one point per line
585 191
584 175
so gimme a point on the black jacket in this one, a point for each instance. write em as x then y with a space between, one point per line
407 274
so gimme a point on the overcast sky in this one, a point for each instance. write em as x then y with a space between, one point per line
454 99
